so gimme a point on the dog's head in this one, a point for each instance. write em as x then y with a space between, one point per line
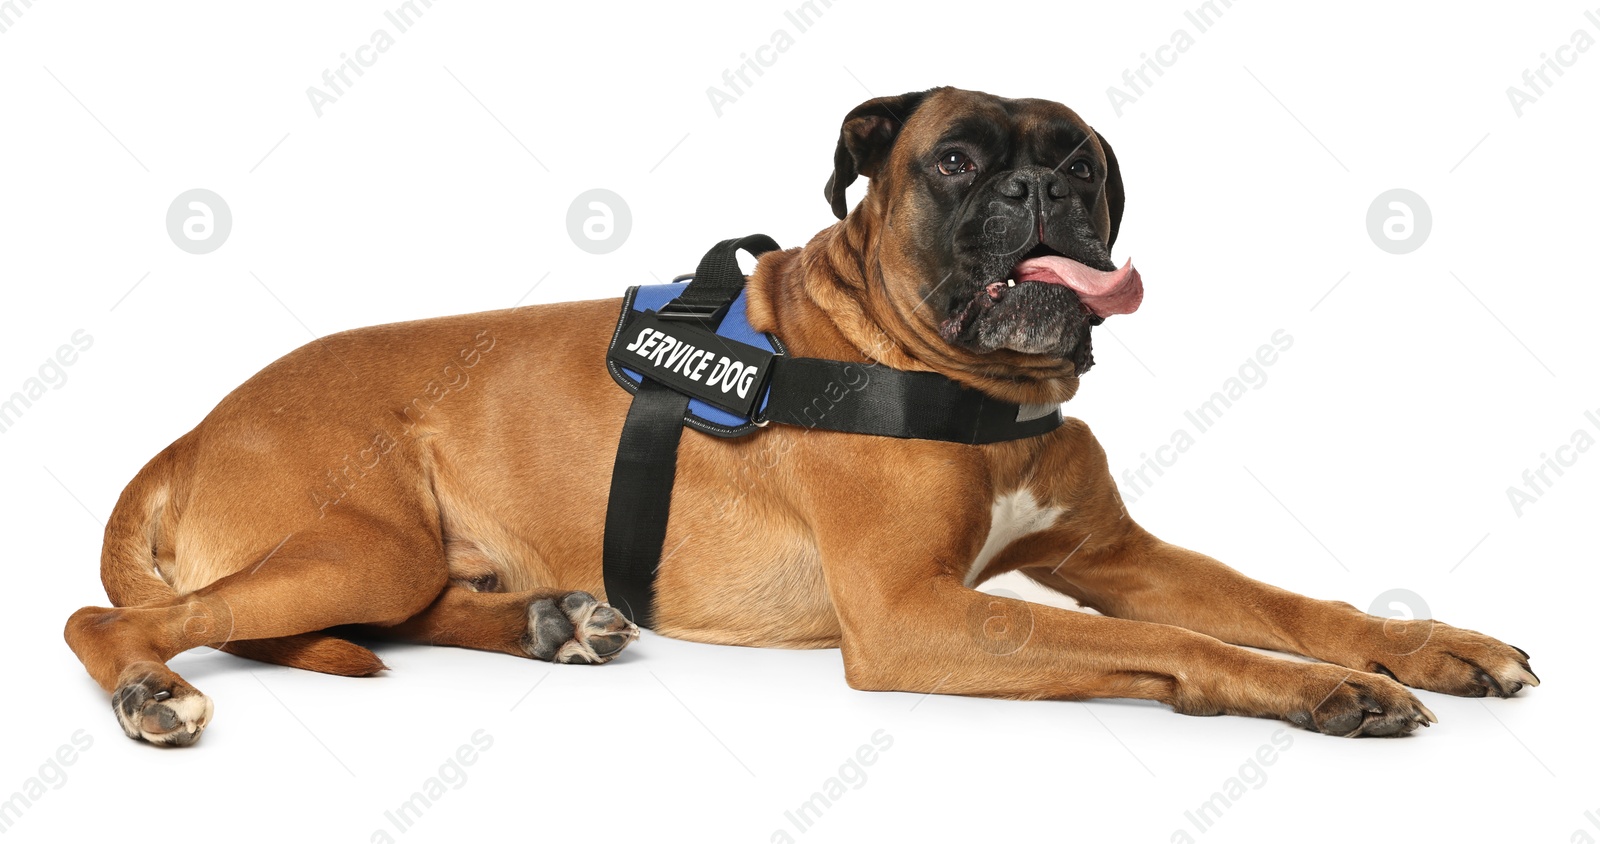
993 219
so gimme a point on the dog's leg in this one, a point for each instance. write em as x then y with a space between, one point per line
555 625
943 637
348 570
1149 580
909 624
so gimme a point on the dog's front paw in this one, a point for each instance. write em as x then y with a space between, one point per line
155 705
1432 655
1351 704
576 628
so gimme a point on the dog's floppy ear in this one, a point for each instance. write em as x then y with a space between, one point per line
868 132
1115 198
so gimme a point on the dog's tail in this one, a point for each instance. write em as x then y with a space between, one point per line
132 577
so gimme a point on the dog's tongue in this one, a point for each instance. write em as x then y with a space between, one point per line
1104 293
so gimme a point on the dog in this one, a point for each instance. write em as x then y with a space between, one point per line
445 481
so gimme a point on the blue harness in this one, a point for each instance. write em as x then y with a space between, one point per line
735 326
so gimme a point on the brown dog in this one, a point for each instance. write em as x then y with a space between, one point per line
445 481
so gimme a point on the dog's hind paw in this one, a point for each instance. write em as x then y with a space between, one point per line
153 704
576 628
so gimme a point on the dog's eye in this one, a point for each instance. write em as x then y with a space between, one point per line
954 161
1081 169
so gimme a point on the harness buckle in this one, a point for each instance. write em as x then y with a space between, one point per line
706 314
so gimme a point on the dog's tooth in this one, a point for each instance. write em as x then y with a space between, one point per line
1011 282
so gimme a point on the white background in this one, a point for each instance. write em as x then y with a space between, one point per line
1376 456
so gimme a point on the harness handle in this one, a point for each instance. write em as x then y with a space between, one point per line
717 281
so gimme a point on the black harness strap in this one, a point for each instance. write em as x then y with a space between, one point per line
874 399
641 498
647 454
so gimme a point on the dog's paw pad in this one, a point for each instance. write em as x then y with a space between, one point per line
161 710
576 629
1368 706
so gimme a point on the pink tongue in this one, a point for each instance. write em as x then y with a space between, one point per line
1116 292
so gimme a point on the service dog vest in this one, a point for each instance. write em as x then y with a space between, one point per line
687 352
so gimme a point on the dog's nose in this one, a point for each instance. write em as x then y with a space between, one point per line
1039 182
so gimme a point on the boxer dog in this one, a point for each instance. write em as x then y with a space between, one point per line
446 480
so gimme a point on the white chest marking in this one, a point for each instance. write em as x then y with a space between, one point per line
1013 516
